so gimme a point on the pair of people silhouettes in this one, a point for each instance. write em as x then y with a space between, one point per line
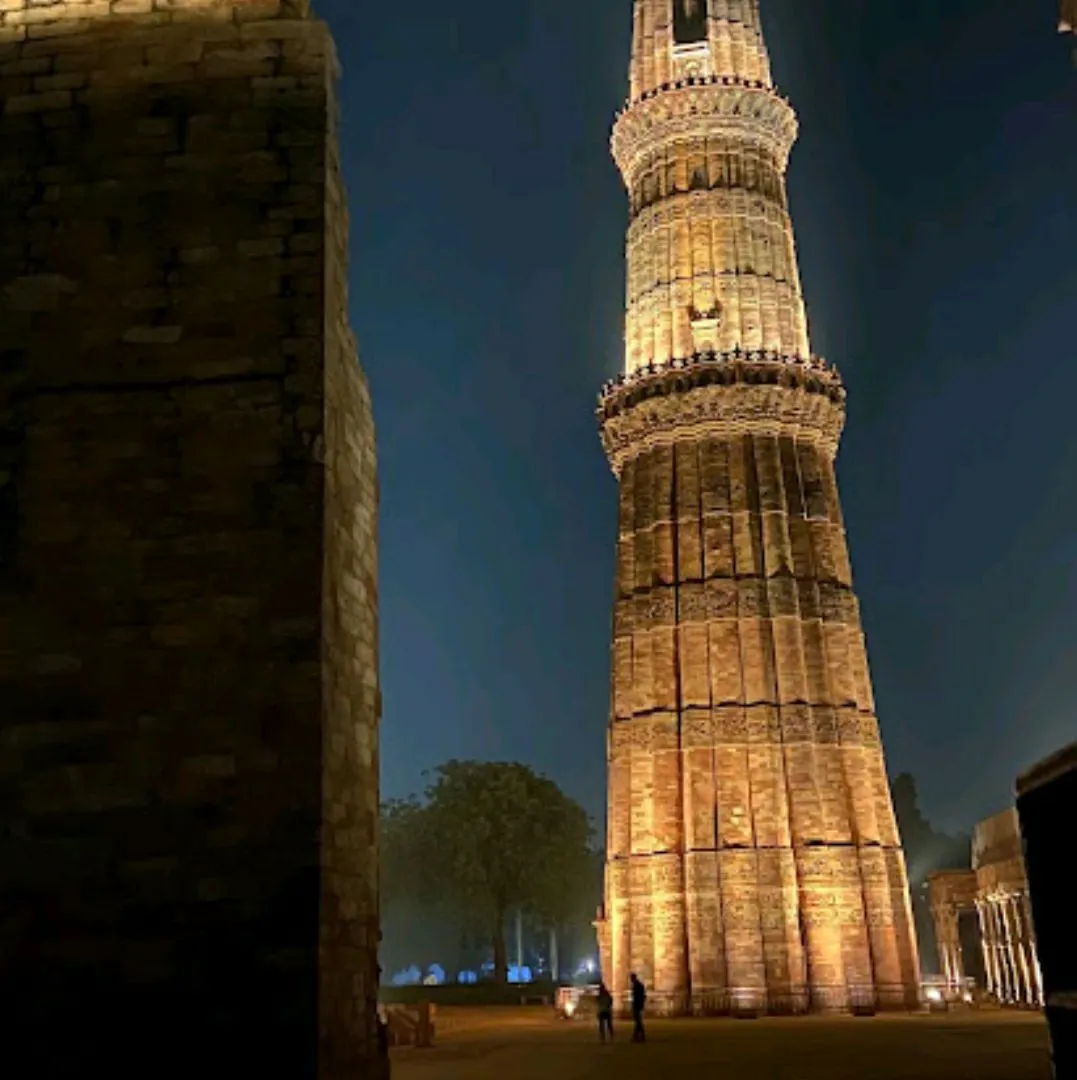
605 1011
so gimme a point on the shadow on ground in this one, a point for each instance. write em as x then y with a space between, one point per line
526 1044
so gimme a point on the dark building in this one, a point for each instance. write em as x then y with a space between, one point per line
188 594
1047 805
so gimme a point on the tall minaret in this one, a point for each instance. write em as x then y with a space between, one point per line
754 862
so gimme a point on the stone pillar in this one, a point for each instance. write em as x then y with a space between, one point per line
1030 928
188 589
1013 938
944 961
1019 929
1013 946
1002 947
948 942
986 944
991 944
990 954
957 969
1009 955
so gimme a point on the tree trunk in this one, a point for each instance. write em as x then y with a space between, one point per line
501 964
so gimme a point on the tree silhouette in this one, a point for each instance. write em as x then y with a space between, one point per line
488 839
926 850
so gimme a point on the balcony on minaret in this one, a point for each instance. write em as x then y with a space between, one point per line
692 61
705 326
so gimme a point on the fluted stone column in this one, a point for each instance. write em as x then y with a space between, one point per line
1006 981
948 941
991 949
1034 960
1013 950
754 861
1017 949
990 966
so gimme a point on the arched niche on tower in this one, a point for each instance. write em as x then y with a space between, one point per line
689 22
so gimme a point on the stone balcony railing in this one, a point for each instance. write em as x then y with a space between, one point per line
721 395
704 80
749 110
770 358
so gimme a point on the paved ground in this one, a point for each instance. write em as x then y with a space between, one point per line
528 1045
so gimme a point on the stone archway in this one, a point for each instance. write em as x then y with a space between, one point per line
953 895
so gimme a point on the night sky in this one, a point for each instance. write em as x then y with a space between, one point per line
933 190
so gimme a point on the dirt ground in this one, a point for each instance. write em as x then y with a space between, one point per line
528 1044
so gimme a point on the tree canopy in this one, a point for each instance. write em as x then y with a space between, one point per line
490 838
926 848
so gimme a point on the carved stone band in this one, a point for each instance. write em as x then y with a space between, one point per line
722 399
743 113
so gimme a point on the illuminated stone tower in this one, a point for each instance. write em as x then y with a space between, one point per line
754 862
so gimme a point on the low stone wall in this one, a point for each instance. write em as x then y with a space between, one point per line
451 1022
480 995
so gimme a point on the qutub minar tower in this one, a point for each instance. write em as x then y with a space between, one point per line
753 861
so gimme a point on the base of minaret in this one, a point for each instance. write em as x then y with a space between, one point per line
745 939
754 864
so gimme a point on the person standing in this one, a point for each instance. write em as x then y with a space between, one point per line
639 1000
605 1013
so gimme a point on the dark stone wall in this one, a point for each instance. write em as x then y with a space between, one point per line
188 604
1047 806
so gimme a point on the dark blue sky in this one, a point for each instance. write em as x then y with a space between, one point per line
934 195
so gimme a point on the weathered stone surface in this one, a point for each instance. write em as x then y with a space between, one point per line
996 888
188 578
754 862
